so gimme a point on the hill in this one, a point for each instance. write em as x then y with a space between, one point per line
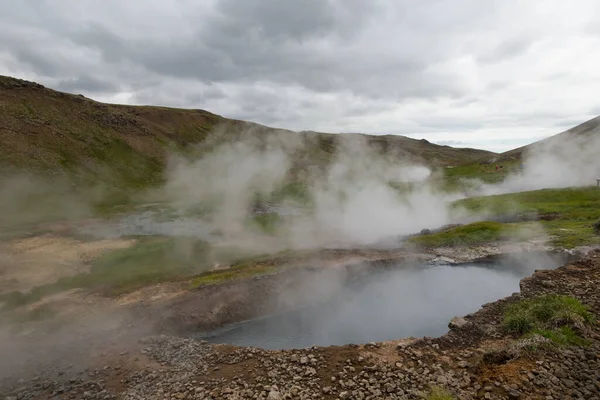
581 131
52 132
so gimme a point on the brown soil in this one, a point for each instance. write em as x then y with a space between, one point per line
30 262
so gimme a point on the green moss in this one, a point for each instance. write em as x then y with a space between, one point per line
467 235
465 176
149 261
241 272
551 316
563 336
575 211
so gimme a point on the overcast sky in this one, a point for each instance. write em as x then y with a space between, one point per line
478 73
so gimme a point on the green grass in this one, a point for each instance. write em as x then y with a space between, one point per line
555 317
563 336
465 176
265 223
577 210
150 261
570 203
438 393
467 235
239 272
251 266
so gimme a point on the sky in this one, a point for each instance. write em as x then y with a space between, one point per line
494 74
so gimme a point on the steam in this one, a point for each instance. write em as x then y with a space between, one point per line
26 198
388 304
570 159
352 200
351 197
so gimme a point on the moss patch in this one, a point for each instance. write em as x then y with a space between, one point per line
576 210
558 318
471 234
239 272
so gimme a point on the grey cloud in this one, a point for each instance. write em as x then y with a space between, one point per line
377 66
276 20
86 83
39 62
507 49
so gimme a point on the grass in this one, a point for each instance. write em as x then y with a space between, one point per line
438 393
463 176
558 318
149 261
49 133
266 223
570 203
563 336
577 210
239 272
467 235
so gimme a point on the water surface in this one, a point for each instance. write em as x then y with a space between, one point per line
387 305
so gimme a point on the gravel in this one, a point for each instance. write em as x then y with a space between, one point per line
475 360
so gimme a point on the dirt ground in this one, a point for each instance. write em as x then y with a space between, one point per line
29 262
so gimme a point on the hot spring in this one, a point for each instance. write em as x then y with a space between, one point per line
387 304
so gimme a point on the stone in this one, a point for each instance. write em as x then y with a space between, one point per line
458 323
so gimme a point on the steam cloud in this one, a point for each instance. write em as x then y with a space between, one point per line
351 199
567 160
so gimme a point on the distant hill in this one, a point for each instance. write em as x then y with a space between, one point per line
52 132
580 131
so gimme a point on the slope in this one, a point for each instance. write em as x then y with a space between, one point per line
51 132
581 131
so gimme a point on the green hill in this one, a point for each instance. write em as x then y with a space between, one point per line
51 132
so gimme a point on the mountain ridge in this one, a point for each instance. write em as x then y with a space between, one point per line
48 130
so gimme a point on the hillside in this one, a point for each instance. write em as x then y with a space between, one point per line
580 131
53 132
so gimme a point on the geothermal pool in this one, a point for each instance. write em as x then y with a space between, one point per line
385 305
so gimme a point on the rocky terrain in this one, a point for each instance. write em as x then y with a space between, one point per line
477 359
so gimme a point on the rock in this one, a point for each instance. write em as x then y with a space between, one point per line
569 383
459 323
274 395
560 373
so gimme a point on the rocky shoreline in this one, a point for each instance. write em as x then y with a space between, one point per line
475 360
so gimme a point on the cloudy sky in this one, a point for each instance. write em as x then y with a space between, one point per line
489 74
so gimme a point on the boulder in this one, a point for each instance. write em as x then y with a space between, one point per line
459 323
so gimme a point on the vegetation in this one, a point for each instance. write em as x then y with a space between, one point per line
438 393
126 147
467 175
150 261
558 318
573 211
467 235
237 272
